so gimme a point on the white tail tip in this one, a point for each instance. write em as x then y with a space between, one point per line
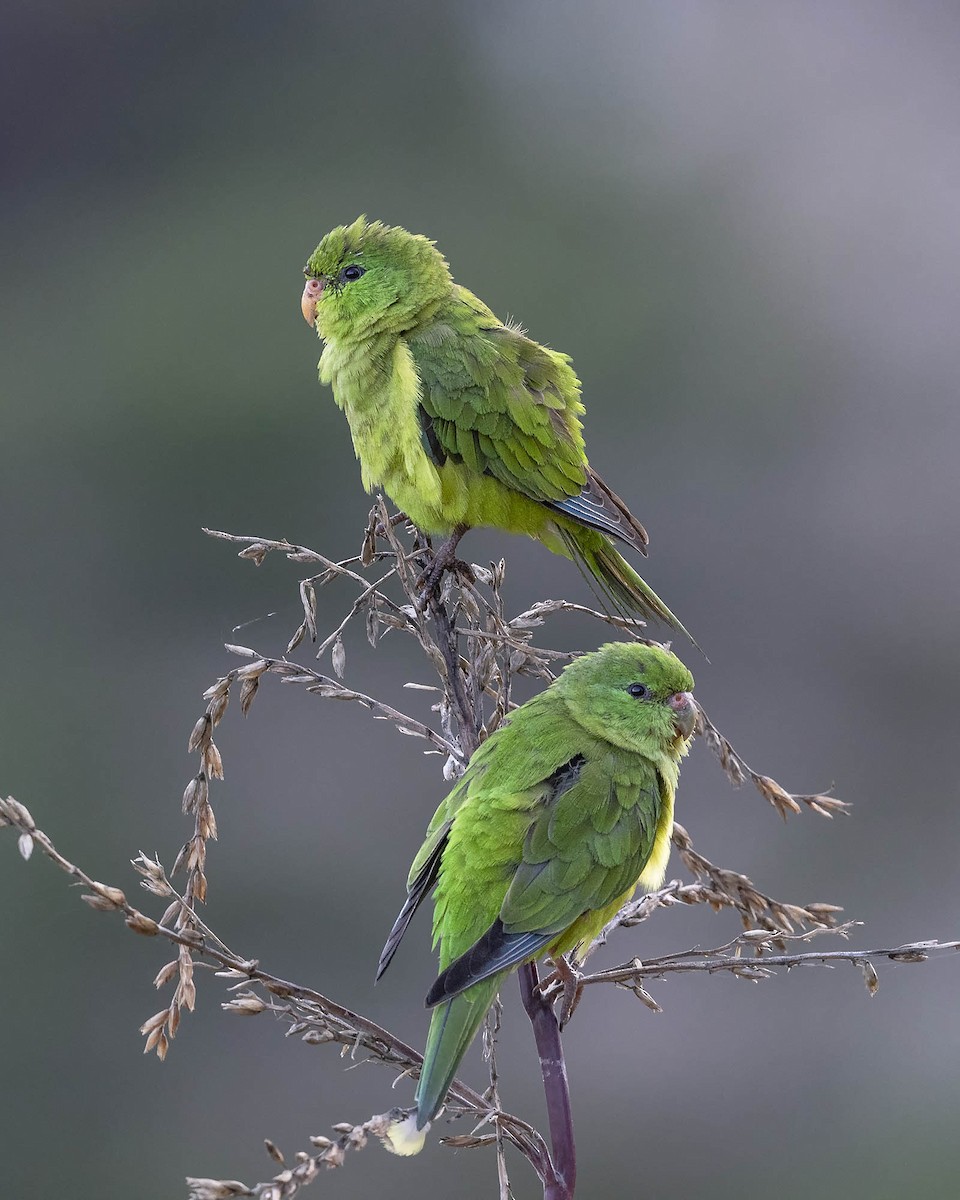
402 1135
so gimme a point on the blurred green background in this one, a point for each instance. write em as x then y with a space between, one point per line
740 218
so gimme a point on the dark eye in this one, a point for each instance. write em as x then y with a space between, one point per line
638 690
349 274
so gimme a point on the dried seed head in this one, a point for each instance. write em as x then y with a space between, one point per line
338 658
200 734
154 879
186 994
153 1040
217 707
254 669
824 913
256 553
165 974
248 692
297 638
114 895
142 924
368 550
212 762
157 1021
245 1004
190 795
180 860
870 977
216 1189
17 813
25 846
220 688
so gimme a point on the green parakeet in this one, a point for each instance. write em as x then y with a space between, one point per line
463 420
561 813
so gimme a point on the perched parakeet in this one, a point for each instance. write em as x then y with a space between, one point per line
463 420
560 815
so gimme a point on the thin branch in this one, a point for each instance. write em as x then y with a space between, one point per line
562 1178
729 957
477 652
738 771
288 1182
312 1016
322 685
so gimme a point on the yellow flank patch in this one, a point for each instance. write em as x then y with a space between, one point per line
653 873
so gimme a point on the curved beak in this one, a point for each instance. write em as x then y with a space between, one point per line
312 291
684 709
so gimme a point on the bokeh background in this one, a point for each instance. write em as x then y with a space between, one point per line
741 219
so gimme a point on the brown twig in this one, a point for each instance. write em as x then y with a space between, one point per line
313 1017
477 652
738 771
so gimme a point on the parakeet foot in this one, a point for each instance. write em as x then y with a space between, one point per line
571 984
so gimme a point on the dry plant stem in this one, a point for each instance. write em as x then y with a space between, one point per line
317 1019
469 724
310 1014
477 651
716 959
737 771
491 1027
562 1181
494 650
322 685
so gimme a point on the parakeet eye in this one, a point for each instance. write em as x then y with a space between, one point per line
349 274
638 690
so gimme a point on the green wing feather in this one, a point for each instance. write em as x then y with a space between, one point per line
586 845
505 406
500 402
516 760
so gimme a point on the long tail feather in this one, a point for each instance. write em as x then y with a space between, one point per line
619 582
452 1028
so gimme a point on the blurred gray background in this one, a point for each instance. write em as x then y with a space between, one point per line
741 219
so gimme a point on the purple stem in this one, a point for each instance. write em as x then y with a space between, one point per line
562 1172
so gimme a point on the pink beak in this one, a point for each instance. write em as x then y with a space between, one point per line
684 712
312 291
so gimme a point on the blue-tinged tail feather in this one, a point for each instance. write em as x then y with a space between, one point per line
452 1029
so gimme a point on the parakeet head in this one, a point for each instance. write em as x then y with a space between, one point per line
369 277
634 695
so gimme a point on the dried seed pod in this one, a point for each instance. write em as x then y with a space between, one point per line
338 658
256 553
142 924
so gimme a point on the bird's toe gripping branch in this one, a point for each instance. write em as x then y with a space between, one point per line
570 982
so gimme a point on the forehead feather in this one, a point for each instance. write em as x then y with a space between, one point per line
623 662
349 243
